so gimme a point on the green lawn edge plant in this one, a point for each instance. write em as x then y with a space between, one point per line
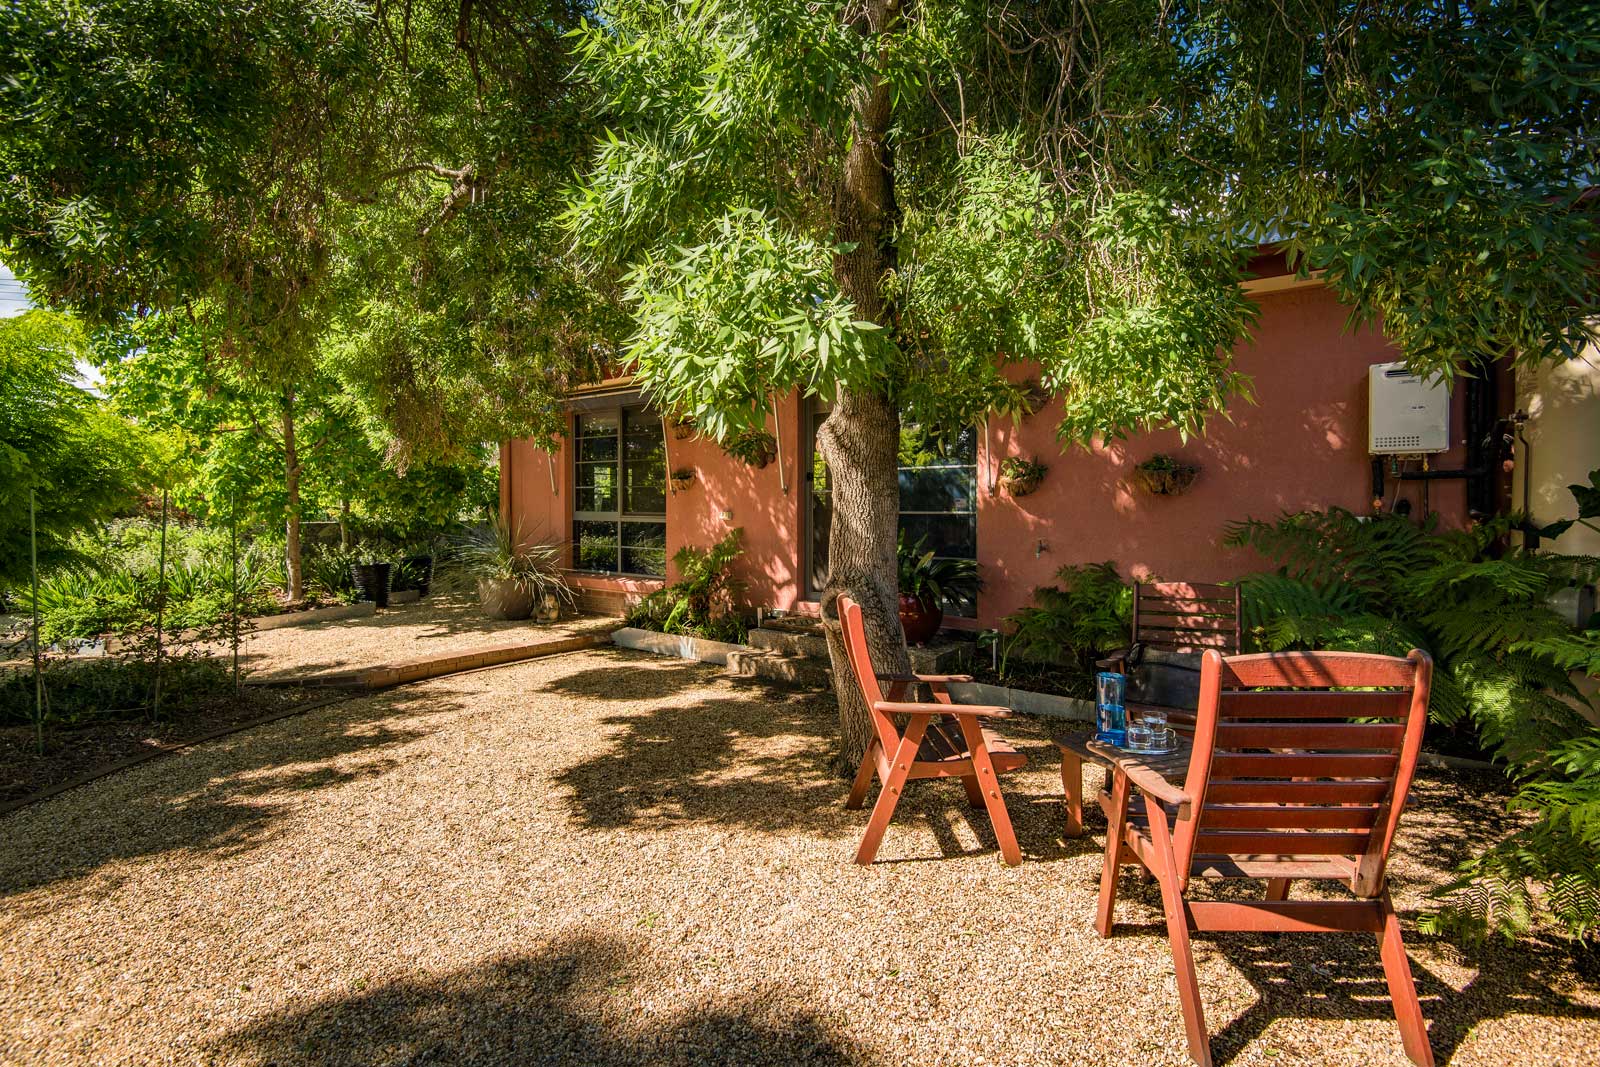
1502 660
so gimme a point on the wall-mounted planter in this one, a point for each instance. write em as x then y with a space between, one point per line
1019 476
682 429
1164 476
682 479
756 447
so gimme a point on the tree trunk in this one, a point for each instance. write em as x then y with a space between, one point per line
291 484
861 436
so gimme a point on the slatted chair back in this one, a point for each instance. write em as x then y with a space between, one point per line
1186 616
1302 760
855 648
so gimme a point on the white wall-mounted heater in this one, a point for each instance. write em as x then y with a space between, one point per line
1405 414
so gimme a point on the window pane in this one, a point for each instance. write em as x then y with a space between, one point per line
596 488
644 464
595 545
946 535
644 547
938 488
597 436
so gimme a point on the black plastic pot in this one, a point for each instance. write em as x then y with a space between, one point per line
372 582
421 568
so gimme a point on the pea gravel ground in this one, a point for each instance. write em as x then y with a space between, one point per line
607 858
436 624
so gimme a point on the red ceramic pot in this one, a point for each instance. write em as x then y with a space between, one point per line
920 617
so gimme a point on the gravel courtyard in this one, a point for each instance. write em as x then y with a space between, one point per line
609 858
438 623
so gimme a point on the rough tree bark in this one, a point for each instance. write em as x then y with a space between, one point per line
291 484
860 438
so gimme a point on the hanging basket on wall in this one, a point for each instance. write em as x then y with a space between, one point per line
682 429
682 479
755 447
1019 476
1161 475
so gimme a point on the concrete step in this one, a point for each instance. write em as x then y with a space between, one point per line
790 642
769 666
950 657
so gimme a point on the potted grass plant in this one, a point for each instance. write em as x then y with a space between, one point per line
513 578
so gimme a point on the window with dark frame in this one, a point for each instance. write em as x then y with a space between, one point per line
619 507
938 500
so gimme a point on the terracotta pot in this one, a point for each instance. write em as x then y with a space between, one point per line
504 600
920 618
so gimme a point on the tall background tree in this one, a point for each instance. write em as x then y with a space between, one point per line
330 190
887 202
62 456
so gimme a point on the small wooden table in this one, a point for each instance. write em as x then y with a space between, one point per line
1079 748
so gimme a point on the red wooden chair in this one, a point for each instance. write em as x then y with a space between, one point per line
1281 783
1173 623
941 740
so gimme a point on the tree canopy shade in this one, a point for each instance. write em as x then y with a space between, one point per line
885 202
81 463
385 171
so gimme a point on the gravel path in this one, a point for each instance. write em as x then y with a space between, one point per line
608 858
435 624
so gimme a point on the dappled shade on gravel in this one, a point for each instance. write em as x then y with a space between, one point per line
608 858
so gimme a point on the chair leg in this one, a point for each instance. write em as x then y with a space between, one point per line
1116 819
1194 1016
989 790
974 790
889 795
1278 888
1072 786
1402 989
869 764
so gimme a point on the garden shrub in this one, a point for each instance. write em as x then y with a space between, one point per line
1053 643
703 602
1501 654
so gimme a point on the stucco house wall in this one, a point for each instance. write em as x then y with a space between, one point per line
1301 445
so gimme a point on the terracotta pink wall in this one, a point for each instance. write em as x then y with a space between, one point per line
1301 445
726 493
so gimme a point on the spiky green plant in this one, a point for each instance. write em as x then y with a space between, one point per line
1502 660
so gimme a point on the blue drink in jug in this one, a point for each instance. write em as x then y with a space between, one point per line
1111 720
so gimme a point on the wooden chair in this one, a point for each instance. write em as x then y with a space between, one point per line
941 740
1173 623
1280 784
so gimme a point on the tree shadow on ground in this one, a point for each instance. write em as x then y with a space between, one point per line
757 757
216 799
1341 977
575 1002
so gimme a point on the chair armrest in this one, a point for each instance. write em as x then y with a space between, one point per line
924 677
1114 661
895 707
1154 785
